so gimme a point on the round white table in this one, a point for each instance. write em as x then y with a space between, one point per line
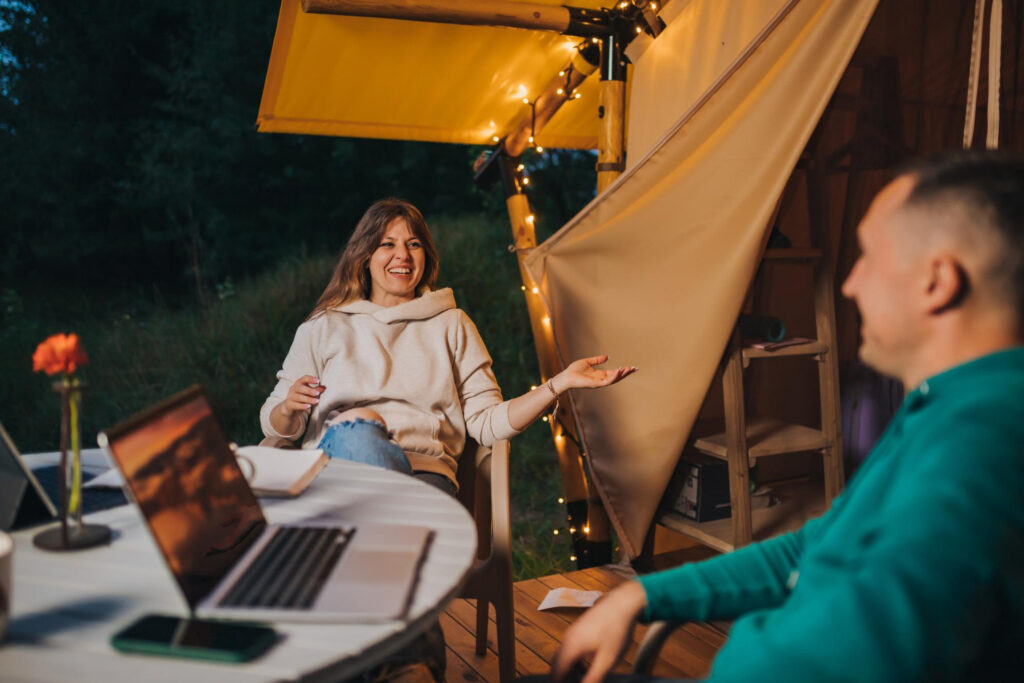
67 605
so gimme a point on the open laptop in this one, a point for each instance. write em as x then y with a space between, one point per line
227 560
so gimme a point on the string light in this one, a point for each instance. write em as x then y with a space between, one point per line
546 320
535 290
530 219
520 168
495 138
572 530
544 419
526 180
577 96
572 558
540 150
639 30
561 501
554 531
522 287
586 529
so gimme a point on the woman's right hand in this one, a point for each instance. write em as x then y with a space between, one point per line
302 396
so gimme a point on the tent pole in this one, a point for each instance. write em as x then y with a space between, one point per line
556 93
611 141
588 520
576 21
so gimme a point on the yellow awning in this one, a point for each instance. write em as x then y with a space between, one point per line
408 80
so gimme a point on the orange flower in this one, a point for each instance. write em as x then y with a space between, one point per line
59 353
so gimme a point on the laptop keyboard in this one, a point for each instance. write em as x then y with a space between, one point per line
291 569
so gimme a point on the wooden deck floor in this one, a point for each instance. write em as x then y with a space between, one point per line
688 653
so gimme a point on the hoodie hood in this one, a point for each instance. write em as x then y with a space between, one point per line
420 308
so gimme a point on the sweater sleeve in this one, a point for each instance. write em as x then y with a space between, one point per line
917 599
301 360
730 585
485 413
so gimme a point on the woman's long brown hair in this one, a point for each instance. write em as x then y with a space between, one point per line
351 277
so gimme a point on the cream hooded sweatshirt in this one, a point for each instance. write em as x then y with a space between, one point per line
422 365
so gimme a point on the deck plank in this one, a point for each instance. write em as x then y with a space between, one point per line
687 654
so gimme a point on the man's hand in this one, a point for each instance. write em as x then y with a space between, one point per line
600 635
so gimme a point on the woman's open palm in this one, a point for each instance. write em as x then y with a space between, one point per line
582 373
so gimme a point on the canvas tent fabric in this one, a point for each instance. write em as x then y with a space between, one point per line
410 80
654 271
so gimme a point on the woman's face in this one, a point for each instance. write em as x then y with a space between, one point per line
396 267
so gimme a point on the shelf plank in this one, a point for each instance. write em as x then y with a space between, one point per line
767 436
810 349
800 501
800 255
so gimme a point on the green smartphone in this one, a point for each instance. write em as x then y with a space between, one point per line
222 641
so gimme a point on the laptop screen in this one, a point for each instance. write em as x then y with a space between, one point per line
180 469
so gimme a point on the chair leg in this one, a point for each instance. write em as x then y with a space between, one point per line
504 615
481 625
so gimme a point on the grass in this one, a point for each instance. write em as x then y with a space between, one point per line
140 350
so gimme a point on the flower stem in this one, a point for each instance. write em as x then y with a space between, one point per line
75 502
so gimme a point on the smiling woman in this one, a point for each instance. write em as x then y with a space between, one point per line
389 371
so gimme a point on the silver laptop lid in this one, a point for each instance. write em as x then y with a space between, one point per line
180 470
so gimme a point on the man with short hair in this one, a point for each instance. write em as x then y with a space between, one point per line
916 573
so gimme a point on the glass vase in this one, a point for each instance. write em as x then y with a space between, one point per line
72 533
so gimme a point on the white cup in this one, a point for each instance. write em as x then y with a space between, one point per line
6 574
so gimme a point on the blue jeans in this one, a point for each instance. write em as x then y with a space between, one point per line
366 441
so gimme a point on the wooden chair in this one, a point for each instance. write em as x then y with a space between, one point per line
654 639
484 491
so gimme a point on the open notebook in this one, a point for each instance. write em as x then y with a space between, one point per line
272 472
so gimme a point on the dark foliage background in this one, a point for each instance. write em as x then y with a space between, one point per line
139 208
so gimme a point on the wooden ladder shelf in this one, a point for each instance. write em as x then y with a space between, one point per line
746 438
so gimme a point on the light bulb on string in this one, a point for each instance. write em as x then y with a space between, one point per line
561 501
554 531
522 287
526 180
535 290
572 558
540 150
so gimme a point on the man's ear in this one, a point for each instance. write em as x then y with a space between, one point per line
948 284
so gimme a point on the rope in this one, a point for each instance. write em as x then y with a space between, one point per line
975 70
995 49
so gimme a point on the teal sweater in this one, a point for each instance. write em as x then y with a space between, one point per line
916 573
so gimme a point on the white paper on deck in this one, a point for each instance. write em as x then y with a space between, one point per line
569 597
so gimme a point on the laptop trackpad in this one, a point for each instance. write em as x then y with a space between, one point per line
374 582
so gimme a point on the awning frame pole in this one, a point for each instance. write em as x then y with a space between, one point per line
611 142
574 21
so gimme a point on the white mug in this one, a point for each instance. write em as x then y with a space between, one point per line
6 574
